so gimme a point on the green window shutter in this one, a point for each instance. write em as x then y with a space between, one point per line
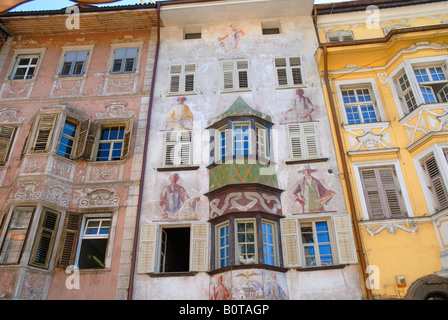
290 239
44 240
344 239
148 238
69 241
199 247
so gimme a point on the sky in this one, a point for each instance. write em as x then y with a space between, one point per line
59 4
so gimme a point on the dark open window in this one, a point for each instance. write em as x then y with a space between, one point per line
175 250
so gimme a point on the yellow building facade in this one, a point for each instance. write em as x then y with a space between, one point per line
384 72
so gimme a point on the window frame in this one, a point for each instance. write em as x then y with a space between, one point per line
6 143
177 149
289 73
137 61
316 244
304 143
18 58
183 72
235 75
112 142
64 135
86 62
357 167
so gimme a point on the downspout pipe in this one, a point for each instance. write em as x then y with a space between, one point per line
358 240
145 152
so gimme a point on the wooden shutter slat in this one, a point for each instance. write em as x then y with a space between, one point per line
44 132
44 240
290 246
199 247
437 185
83 131
127 138
344 239
69 242
148 237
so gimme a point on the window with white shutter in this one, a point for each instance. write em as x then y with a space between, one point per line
303 141
290 240
236 75
177 148
182 79
382 193
437 186
289 71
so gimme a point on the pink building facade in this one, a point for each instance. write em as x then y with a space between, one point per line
74 97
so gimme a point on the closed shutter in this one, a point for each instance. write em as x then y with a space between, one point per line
437 186
177 148
83 131
148 238
282 75
44 131
228 75
127 138
44 240
67 249
383 196
303 141
199 247
296 71
344 239
6 136
243 77
175 74
190 70
290 240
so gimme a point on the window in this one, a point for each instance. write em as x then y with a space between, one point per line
316 243
177 148
192 32
236 75
406 95
433 83
359 106
110 144
340 36
262 143
124 60
223 245
303 141
222 140
241 139
175 250
289 71
94 242
74 63
436 185
67 140
182 79
25 67
249 241
270 27
44 240
15 237
382 193
6 138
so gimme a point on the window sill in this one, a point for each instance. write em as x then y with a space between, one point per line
378 124
181 94
297 86
315 160
322 268
184 168
236 90
248 266
172 274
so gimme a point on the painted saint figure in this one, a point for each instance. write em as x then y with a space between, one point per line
220 291
311 193
232 39
175 202
180 117
302 109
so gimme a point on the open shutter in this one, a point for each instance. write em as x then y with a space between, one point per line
127 138
83 131
372 194
27 139
67 249
290 240
228 75
90 142
148 238
437 186
344 239
199 247
6 135
44 240
44 131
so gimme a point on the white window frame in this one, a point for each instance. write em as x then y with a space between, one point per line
289 73
138 45
218 246
112 142
234 69
400 180
275 243
438 150
25 52
177 145
241 124
369 83
262 134
86 65
407 67
182 71
110 242
332 242
304 142
255 242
